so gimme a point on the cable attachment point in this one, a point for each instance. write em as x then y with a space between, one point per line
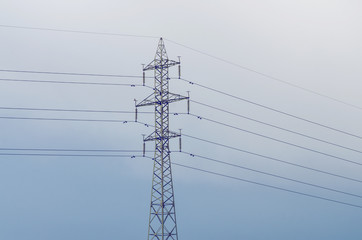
180 145
179 67
136 110
144 75
144 144
188 102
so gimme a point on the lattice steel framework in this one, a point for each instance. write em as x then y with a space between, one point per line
162 219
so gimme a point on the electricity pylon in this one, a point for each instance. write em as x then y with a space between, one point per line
162 219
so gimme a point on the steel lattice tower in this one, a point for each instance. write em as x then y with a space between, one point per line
162 219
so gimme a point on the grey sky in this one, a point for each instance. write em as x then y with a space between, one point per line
313 44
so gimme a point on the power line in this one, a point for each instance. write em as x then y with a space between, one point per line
109 120
134 85
270 174
75 120
280 141
177 164
270 125
272 158
267 75
77 31
269 108
266 185
128 151
198 116
72 73
213 107
238 115
68 82
193 137
207 105
67 119
68 110
69 150
65 155
75 110
195 50
185 166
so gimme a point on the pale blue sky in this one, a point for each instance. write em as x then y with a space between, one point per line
313 44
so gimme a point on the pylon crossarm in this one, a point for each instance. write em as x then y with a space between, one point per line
150 66
176 97
150 100
166 63
153 137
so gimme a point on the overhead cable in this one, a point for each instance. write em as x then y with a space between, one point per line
271 158
69 82
192 49
65 155
268 185
270 125
198 116
281 141
193 137
272 109
68 110
78 31
267 75
72 73
271 174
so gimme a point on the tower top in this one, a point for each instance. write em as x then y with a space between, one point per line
161 42
161 50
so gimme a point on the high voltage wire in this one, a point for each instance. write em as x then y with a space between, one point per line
107 120
72 73
281 141
64 155
270 125
263 184
137 151
68 82
73 120
266 185
77 31
271 158
270 174
198 116
68 110
194 168
193 137
192 49
269 108
68 150
134 156
185 166
267 75
204 118
66 119
193 83
192 114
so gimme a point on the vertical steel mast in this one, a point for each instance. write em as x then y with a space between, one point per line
162 219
